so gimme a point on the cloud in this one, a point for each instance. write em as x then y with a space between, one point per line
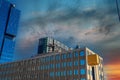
113 71
71 25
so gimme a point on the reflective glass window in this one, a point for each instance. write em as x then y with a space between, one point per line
75 72
82 62
82 53
82 71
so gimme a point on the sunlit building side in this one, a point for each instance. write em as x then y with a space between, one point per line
69 65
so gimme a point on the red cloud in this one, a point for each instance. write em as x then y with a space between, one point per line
113 71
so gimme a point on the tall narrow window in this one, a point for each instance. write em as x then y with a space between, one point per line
82 71
82 53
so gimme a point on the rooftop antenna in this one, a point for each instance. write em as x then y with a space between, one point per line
118 10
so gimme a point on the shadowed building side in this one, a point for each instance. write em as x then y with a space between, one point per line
9 20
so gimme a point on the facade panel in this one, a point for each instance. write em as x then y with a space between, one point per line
4 11
13 22
93 59
8 50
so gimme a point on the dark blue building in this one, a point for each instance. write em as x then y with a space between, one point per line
9 19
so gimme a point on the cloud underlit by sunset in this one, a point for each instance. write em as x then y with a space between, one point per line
113 71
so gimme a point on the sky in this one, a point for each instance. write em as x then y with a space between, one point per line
91 23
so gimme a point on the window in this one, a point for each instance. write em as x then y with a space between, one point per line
75 72
69 72
82 62
82 79
75 79
64 64
69 64
64 73
58 73
76 63
61 73
46 59
57 57
58 65
43 60
69 55
51 74
51 66
52 58
63 56
82 53
82 71
76 54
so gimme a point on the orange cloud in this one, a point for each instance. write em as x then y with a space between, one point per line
113 71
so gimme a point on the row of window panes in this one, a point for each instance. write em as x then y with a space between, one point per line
63 56
80 79
63 64
58 65
69 72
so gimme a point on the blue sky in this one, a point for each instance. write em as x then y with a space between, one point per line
92 23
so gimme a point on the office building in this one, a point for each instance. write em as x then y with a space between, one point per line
48 44
9 19
79 64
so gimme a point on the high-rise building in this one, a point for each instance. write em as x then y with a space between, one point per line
79 64
48 44
9 19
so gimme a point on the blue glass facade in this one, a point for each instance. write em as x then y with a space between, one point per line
9 19
4 10
8 50
13 22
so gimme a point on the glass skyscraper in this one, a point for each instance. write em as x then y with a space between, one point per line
9 19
